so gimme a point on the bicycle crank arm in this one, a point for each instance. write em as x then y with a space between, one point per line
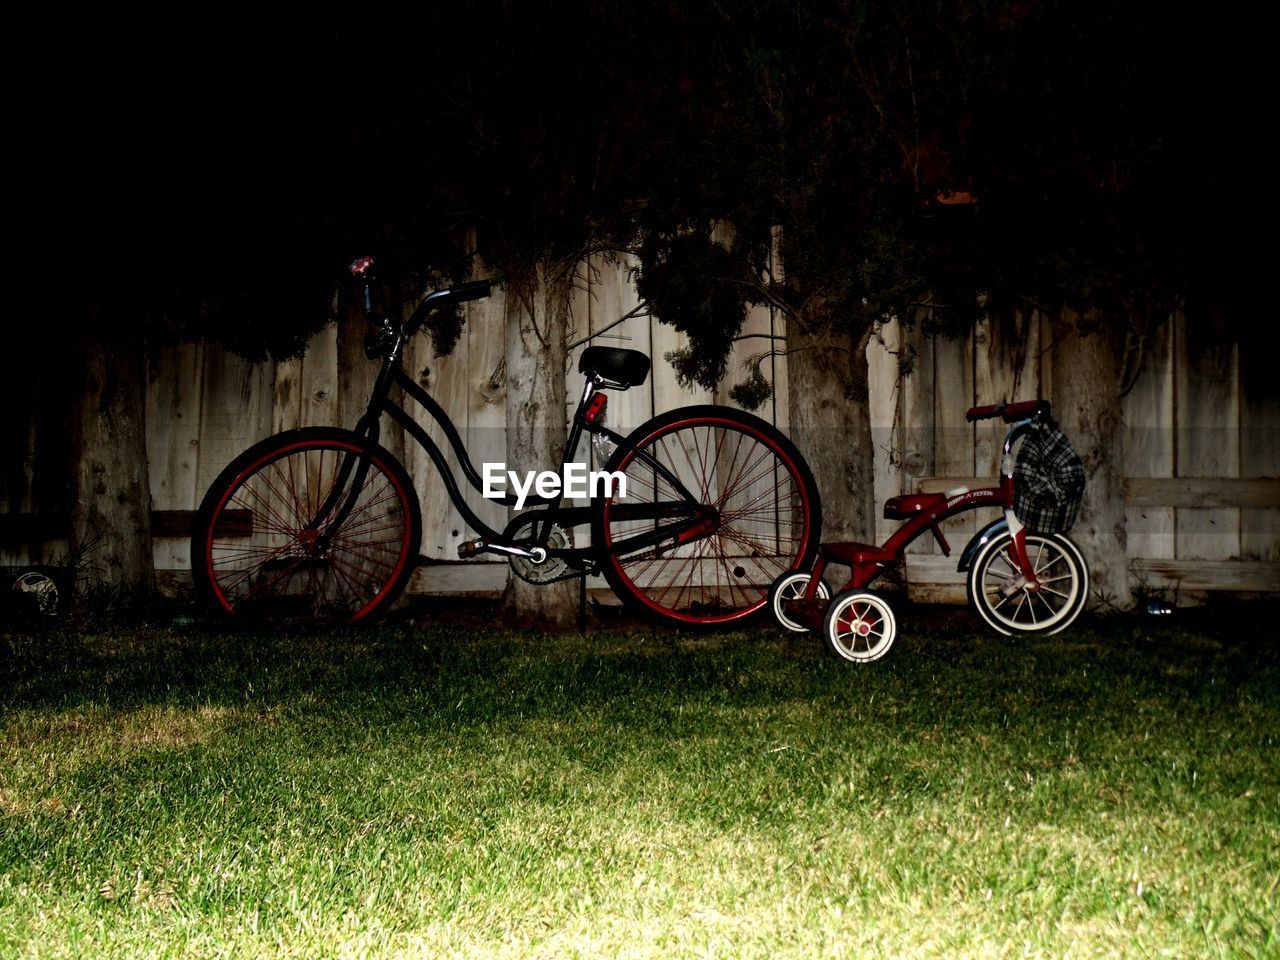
472 548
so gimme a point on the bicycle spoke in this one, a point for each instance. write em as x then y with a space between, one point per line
229 588
1003 599
1003 557
765 464
1056 593
1053 611
286 572
1020 608
283 525
685 561
694 559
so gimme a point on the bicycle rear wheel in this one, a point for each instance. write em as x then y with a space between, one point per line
768 516
294 529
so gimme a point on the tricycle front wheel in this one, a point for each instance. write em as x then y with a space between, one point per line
1000 595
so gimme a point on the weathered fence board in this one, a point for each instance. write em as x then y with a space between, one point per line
934 579
319 380
953 435
484 420
1259 453
1202 492
448 381
286 406
1207 438
1200 575
610 296
918 416
1148 412
175 385
235 411
885 386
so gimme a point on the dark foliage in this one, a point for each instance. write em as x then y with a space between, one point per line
982 160
696 285
216 186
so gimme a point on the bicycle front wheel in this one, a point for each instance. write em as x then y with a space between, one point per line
767 516
306 525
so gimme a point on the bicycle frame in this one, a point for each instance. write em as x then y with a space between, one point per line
690 515
867 564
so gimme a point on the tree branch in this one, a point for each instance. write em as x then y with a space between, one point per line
639 310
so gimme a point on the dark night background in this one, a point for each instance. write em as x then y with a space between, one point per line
167 168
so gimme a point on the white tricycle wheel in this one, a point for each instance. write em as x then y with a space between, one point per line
999 594
859 627
792 586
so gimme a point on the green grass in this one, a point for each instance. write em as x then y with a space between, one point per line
438 792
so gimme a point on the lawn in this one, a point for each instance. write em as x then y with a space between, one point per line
438 791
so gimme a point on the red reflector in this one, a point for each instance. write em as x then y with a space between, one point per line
595 407
361 267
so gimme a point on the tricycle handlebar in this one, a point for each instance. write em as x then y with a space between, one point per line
1008 411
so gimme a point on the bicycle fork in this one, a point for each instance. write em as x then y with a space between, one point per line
1026 578
1026 573
317 536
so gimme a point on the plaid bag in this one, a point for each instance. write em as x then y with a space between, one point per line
1048 480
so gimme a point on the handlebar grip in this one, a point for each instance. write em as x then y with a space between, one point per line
984 413
474 290
1008 411
1027 408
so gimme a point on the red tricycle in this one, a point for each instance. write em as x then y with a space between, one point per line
1021 581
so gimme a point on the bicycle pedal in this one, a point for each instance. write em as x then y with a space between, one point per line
470 548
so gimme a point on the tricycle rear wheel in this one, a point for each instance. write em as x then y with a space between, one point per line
788 587
859 626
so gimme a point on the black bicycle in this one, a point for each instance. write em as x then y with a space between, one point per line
707 507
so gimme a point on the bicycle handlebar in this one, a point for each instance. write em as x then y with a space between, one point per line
1008 411
473 290
363 269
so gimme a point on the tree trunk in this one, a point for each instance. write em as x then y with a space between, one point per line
111 486
1087 369
537 327
830 411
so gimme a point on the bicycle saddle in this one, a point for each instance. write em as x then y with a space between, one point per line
624 368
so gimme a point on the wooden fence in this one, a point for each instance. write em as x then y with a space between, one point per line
1202 450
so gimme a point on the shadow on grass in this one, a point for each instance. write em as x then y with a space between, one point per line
942 670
